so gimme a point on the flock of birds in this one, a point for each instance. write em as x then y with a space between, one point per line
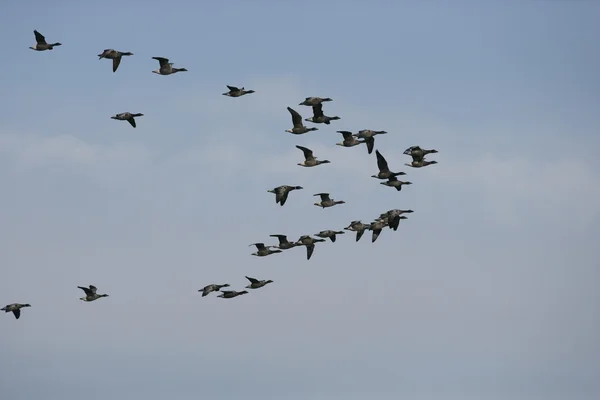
390 218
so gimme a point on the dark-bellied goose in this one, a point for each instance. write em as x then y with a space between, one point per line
284 244
313 101
166 68
237 92
309 159
349 139
326 201
90 293
309 242
358 227
41 44
369 136
212 288
281 192
263 250
15 308
420 164
329 234
418 153
394 216
320 118
115 56
395 183
298 128
376 227
384 171
127 116
256 284
229 294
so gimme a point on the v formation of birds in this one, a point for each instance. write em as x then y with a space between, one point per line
389 219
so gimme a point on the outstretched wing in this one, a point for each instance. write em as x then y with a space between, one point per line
252 280
317 111
232 88
131 121
39 38
116 62
296 118
346 134
381 162
161 60
370 141
310 248
17 313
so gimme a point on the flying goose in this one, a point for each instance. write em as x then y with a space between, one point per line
349 139
309 242
369 136
284 244
313 101
420 164
394 216
318 116
384 171
329 234
127 116
212 288
256 284
298 128
394 182
358 227
41 44
90 293
166 68
15 308
326 201
309 159
376 227
228 294
236 92
281 193
418 153
263 250
114 55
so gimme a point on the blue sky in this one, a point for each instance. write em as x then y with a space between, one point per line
487 291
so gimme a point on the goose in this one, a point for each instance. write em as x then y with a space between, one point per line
281 192
284 244
41 44
236 92
313 101
358 227
90 293
326 201
309 159
212 288
166 68
320 118
15 308
376 227
329 234
394 216
309 242
349 139
369 136
298 128
127 116
256 284
263 250
418 153
384 171
420 164
395 183
114 55
228 294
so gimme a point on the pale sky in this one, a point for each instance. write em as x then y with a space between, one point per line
488 291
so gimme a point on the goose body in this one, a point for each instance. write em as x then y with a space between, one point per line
90 293
298 128
417 153
309 242
15 308
263 250
395 183
358 227
393 217
115 56
127 116
41 43
420 164
318 116
256 284
369 136
281 192
313 101
237 92
326 201
166 68
329 234
284 243
309 159
229 294
384 171
349 139
212 288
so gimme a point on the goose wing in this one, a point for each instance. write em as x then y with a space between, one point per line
381 162
346 134
259 246
324 196
252 280
308 154
161 60
317 110
116 62
296 118
233 88
310 248
39 38
370 141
